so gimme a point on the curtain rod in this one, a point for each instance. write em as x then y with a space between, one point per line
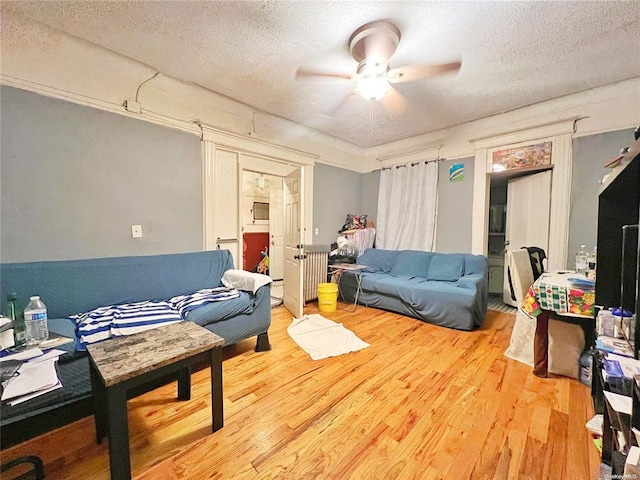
413 164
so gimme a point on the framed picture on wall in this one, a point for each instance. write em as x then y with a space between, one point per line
537 155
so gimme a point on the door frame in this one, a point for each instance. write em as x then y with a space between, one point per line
256 155
560 135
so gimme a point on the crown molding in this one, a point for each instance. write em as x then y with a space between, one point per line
86 101
530 132
255 146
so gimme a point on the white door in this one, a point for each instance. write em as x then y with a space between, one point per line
276 234
528 210
293 241
225 204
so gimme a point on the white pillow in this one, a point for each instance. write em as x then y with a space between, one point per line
243 280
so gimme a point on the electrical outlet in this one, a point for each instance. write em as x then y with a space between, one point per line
136 231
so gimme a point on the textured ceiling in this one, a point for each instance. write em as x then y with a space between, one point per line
513 53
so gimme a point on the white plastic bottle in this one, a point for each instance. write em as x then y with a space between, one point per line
582 260
35 319
593 258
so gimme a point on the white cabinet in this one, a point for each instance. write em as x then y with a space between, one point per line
496 274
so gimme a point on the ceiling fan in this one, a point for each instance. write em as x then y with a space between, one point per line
372 45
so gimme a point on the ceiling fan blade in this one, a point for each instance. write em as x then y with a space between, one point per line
314 75
410 73
394 102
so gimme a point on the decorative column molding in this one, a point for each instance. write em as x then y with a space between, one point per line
562 157
480 207
208 162
307 178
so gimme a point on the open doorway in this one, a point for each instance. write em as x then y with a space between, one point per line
519 209
262 228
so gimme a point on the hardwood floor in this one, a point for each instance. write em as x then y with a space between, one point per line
422 402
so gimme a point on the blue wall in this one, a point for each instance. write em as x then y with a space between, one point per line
74 179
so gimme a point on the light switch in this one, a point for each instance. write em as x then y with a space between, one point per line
317 230
136 231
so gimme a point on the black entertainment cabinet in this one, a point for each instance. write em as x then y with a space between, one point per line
618 270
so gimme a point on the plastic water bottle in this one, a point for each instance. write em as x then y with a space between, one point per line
35 318
586 366
582 260
593 258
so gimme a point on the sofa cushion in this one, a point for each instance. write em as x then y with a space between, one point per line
411 263
396 286
217 311
440 295
377 261
446 267
68 287
369 280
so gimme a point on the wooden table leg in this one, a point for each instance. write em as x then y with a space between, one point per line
217 420
541 345
184 383
119 461
99 403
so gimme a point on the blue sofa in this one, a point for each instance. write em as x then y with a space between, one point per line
76 286
447 289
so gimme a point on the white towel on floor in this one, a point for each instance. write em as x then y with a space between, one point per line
322 338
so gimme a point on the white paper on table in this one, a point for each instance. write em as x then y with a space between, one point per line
619 403
55 354
24 398
6 339
24 355
32 377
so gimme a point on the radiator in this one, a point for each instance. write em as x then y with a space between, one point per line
315 269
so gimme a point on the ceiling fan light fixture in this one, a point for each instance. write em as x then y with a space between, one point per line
373 88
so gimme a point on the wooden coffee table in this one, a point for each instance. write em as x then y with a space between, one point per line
119 364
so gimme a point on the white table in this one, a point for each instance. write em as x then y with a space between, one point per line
339 268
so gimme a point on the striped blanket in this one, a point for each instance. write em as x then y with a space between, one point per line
110 321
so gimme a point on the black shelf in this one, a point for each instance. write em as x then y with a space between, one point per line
618 270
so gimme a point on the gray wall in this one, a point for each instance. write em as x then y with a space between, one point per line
336 192
74 179
369 196
590 154
455 202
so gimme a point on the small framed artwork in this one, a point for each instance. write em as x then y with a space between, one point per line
456 172
538 155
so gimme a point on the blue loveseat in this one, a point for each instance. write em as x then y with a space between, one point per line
447 289
77 286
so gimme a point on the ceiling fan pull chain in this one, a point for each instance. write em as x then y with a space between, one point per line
371 117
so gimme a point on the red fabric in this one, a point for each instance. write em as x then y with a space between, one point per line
255 243
541 345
